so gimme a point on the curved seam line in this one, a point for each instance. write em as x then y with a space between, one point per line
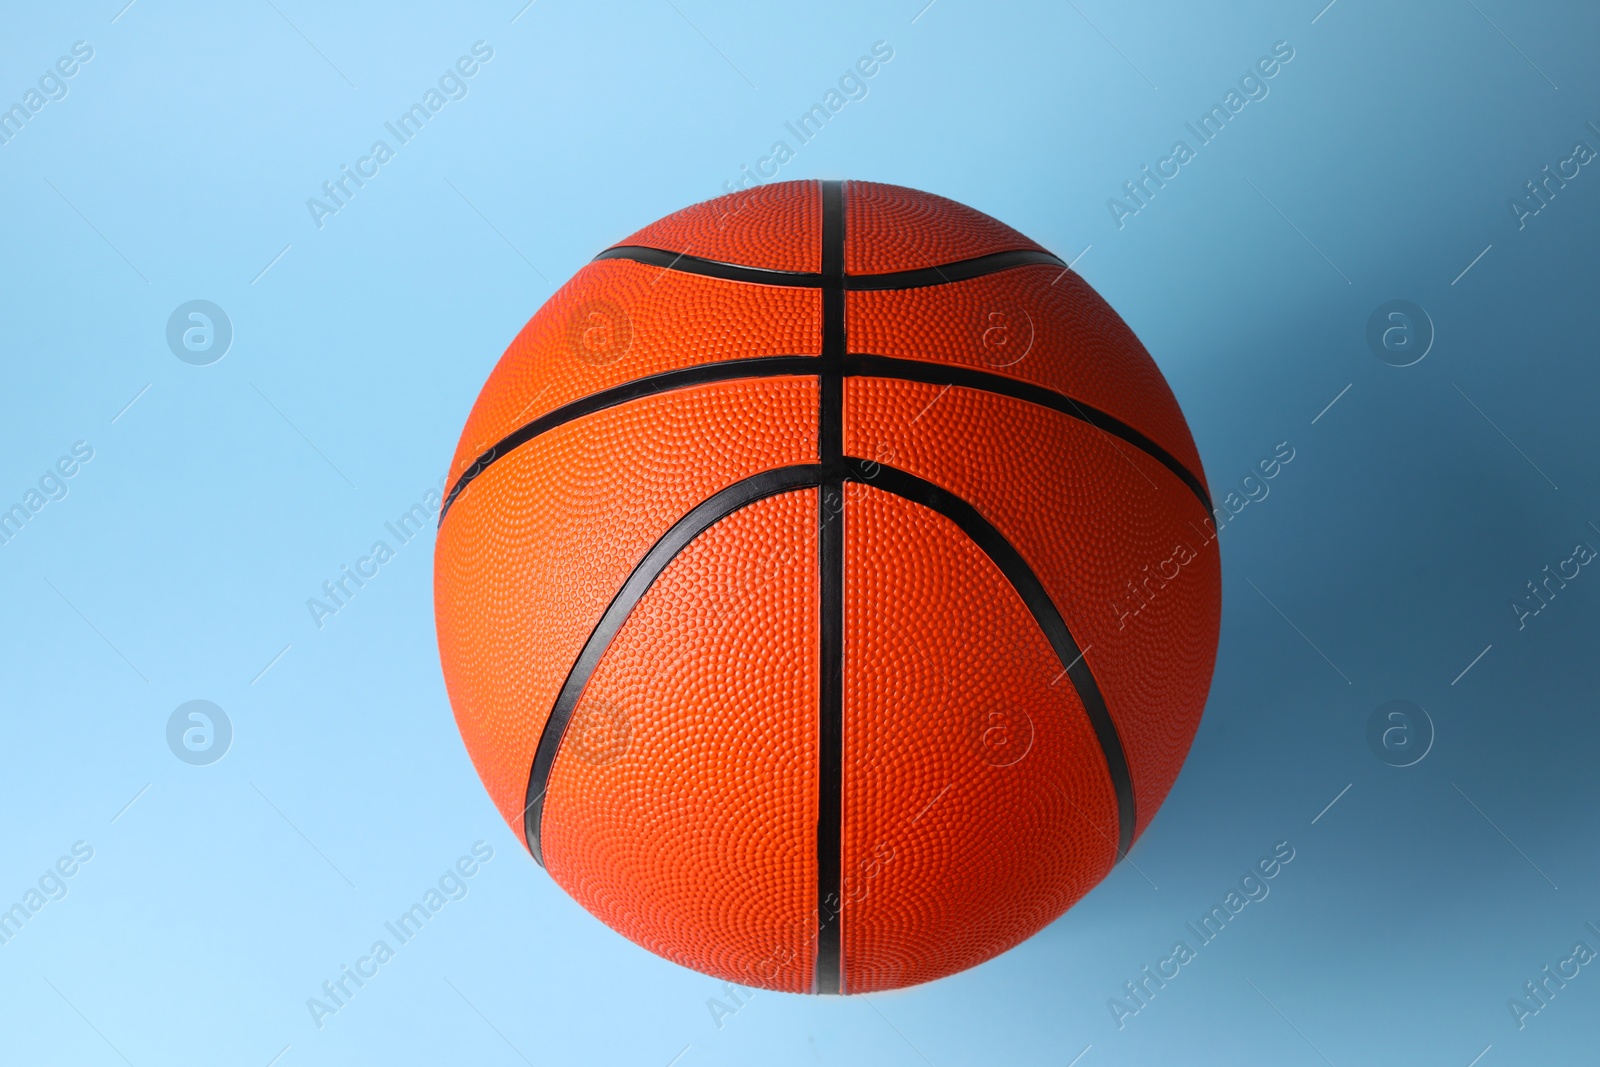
769 483
856 365
684 263
863 365
959 270
1047 616
677 379
641 578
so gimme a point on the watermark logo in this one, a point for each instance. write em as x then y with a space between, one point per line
339 591
1399 332
1003 736
452 885
199 333
599 733
1542 189
1400 733
199 733
1252 487
1007 336
452 85
51 886
599 332
852 85
51 87
52 486
1143 593
1551 980
1139 192
1550 582
1252 887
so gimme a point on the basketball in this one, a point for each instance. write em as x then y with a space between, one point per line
827 588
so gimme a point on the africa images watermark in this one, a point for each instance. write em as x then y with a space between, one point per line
1252 87
1551 980
1153 978
1550 583
340 590
51 86
52 885
452 885
1542 190
852 85
1252 487
52 486
452 85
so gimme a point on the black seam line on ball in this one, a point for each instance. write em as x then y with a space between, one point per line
1022 578
915 370
683 263
644 574
651 385
785 479
854 365
959 271
920 278
828 973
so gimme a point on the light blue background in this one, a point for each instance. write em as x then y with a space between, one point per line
178 564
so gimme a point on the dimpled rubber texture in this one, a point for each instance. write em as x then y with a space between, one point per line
890 228
618 321
1036 324
774 227
527 560
977 803
1116 517
694 831
980 790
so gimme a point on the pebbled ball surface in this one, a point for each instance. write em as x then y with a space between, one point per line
528 559
774 227
977 807
617 321
692 830
1035 324
1115 517
890 228
682 806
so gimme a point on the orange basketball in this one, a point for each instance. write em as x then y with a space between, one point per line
826 590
